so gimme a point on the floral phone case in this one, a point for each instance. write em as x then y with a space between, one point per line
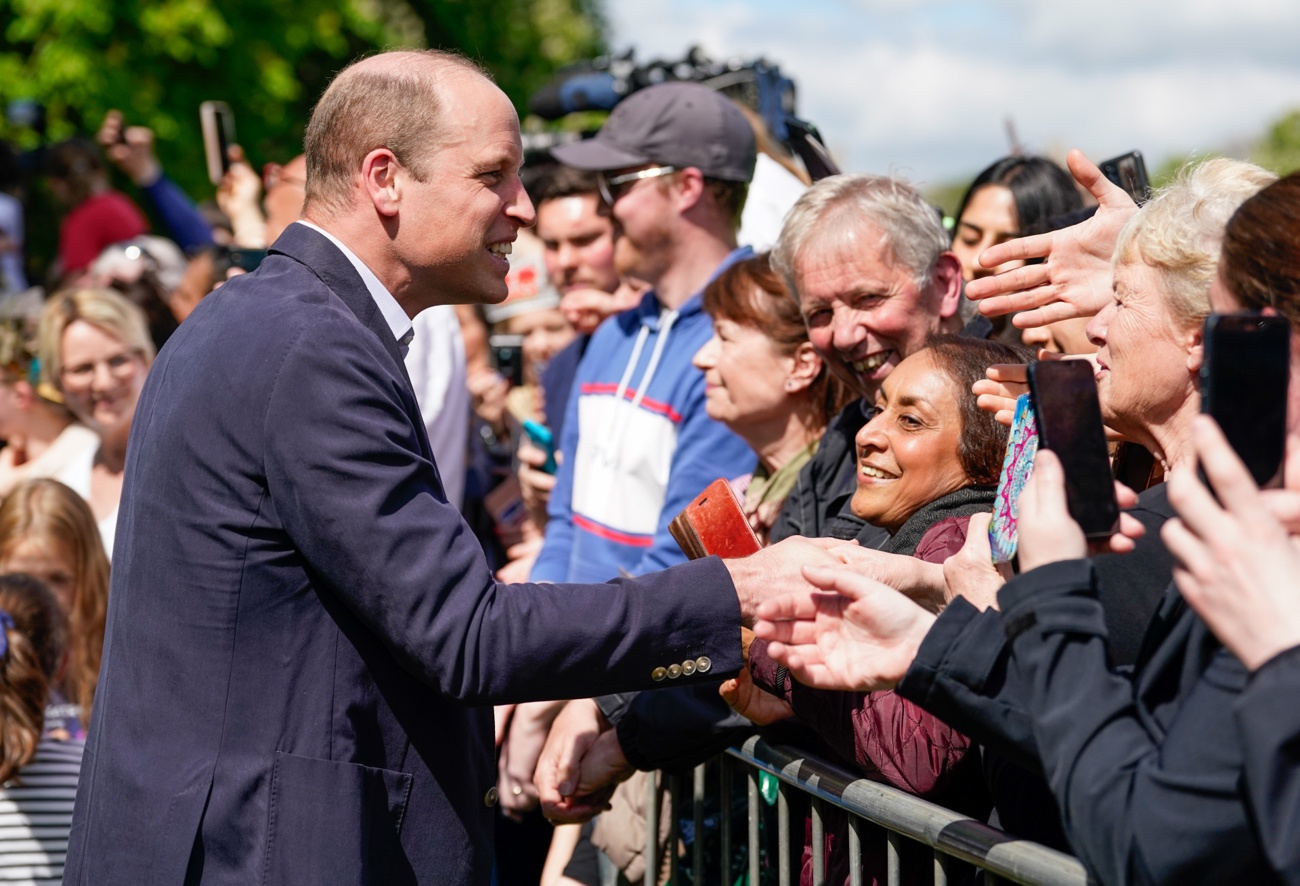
1018 464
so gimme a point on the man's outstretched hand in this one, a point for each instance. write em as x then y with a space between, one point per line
862 636
778 569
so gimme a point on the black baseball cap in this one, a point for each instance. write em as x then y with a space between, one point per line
676 124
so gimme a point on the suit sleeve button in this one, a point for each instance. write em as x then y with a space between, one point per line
658 674
674 671
490 798
703 664
688 667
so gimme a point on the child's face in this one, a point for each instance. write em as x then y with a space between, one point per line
47 560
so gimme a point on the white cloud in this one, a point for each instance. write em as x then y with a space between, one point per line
924 88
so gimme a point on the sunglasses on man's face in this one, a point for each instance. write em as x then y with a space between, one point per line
613 187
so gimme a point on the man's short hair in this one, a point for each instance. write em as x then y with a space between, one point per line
833 212
729 198
556 181
370 106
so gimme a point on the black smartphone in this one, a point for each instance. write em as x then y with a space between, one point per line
1244 380
507 355
218 135
1129 171
1064 394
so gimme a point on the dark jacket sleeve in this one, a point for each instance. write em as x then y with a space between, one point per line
961 673
1268 720
674 728
888 738
963 670
369 518
1148 791
183 222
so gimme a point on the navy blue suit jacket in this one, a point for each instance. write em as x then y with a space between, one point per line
303 634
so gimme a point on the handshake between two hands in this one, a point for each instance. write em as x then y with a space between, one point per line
838 615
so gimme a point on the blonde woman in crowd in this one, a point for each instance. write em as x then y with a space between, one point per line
96 350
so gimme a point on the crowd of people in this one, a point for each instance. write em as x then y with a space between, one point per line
402 475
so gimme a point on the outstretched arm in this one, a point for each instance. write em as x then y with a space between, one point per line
1146 773
1073 279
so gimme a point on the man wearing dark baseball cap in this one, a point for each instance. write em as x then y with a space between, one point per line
674 162
674 124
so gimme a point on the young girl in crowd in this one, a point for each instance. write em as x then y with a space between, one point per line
38 774
47 530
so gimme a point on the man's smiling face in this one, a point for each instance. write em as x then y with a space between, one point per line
865 312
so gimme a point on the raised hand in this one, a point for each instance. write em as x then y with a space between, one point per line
535 485
129 148
1074 278
1237 565
861 637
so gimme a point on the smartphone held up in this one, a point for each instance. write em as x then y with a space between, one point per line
1244 377
1064 397
218 135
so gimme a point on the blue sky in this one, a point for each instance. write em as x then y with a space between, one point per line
924 87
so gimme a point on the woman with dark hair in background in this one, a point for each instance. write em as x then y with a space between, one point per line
38 773
1011 198
41 436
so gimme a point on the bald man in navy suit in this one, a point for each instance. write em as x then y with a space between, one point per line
303 636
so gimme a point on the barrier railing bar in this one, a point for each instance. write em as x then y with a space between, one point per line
697 838
893 859
940 869
1017 860
674 831
754 860
651 877
783 834
855 850
724 773
818 845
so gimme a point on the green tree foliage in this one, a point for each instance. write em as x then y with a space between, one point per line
156 60
1279 149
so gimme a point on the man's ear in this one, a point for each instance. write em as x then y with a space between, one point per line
382 180
688 188
807 365
946 280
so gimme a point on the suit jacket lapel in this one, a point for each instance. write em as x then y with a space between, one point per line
323 259
301 243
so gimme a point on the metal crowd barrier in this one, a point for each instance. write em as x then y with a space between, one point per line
950 836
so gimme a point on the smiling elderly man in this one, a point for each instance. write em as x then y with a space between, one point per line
870 263
302 633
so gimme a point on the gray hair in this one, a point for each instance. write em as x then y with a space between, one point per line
1179 233
834 211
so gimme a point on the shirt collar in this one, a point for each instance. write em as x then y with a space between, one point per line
394 316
